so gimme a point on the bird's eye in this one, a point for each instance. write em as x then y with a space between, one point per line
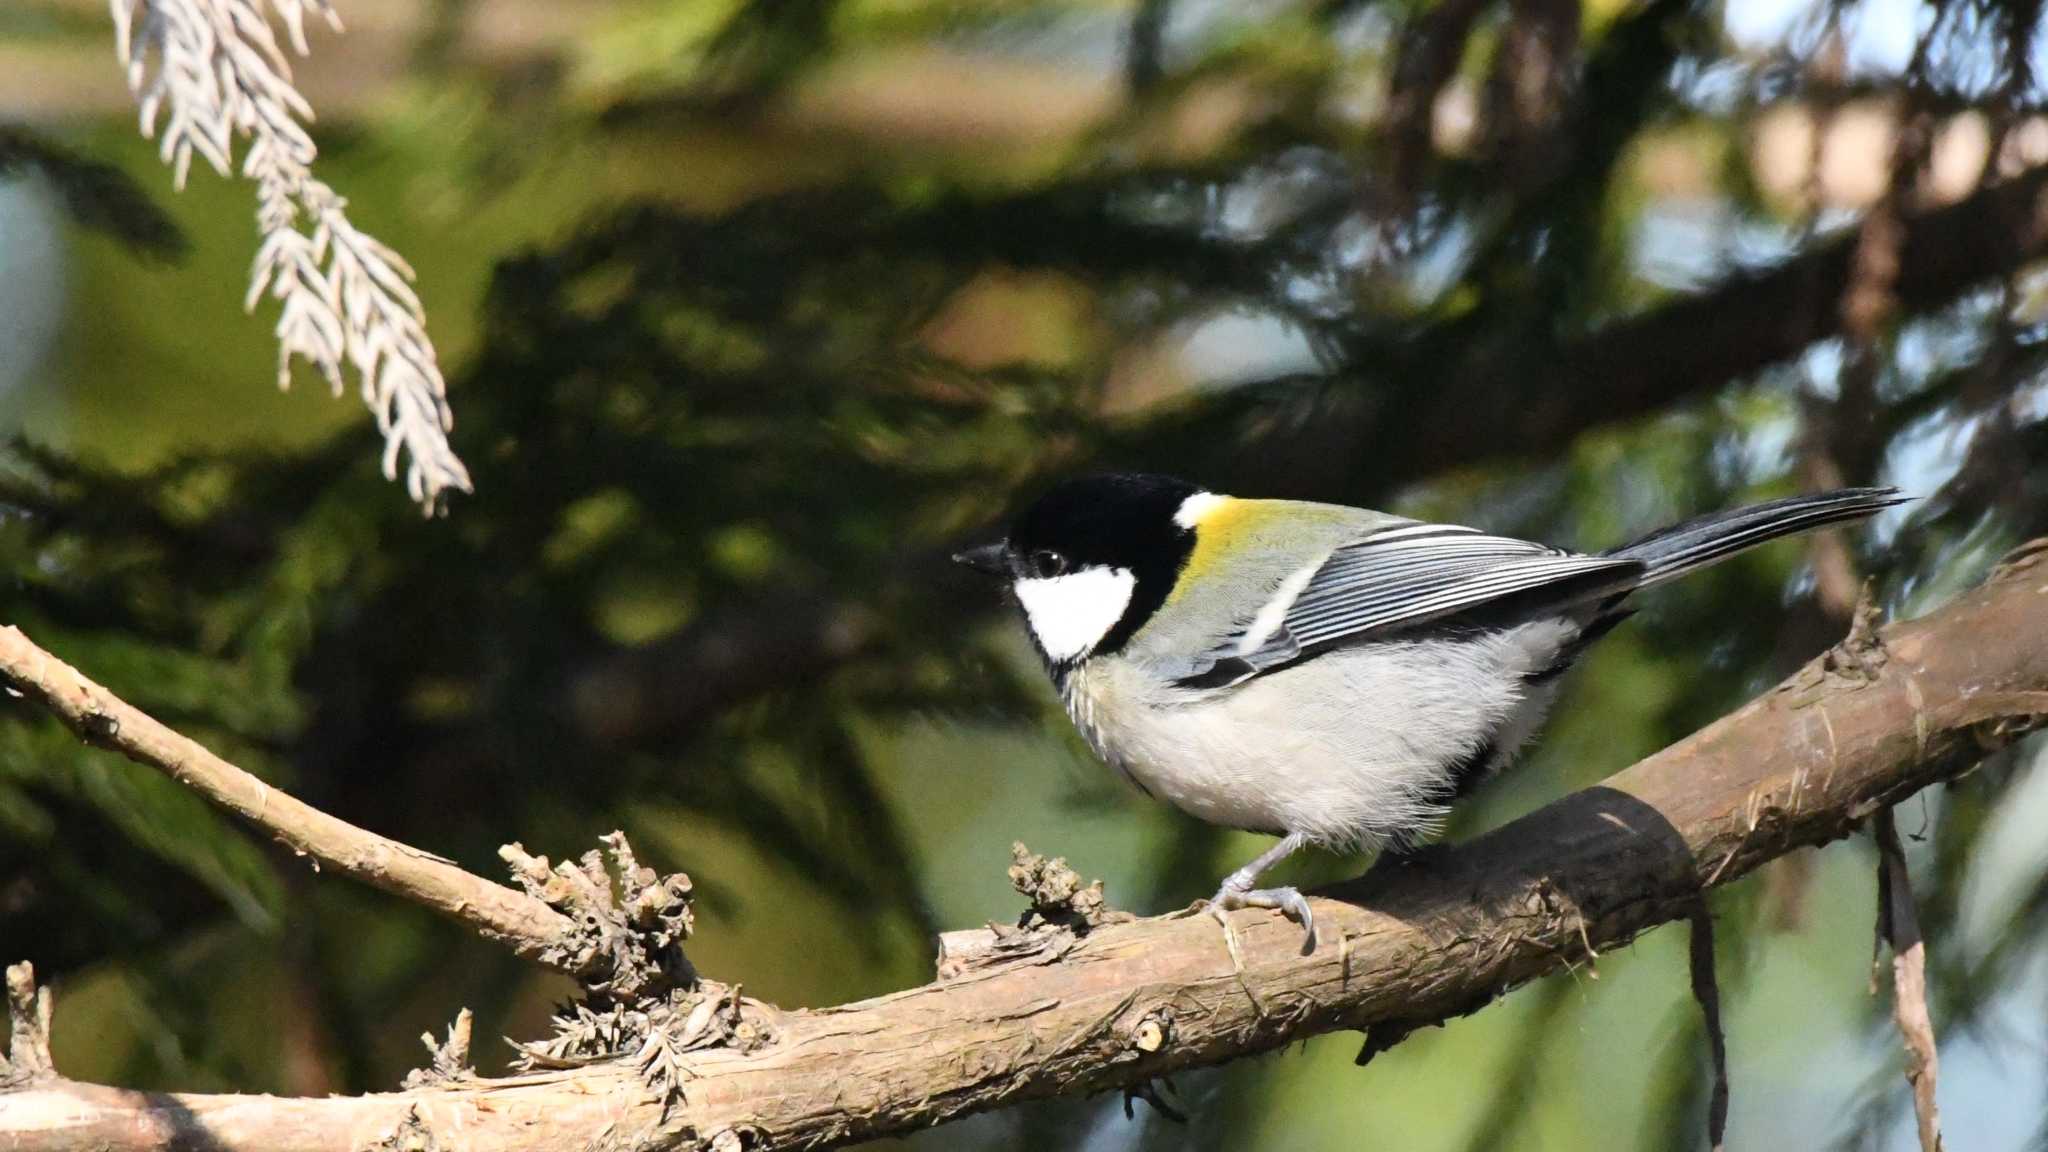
1046 563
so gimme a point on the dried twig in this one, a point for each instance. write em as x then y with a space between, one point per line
99 717
1706 989
447 1060
1898 925
28 1047
1058 895
633 925
213 70
619 939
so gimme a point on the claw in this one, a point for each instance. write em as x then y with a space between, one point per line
1237 892
1288 901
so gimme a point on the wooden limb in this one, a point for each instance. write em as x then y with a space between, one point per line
1899 926
1126 1003
526 924
1501 398
1425 59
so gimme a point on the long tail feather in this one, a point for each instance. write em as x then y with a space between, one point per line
1672 552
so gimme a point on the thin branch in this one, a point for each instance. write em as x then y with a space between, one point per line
1425 60
1899 926
1529 97
1145 46
28 1046
1706 989
529 926
1066 1013
1504 398
98 195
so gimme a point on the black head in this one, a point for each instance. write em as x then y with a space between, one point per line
1093 559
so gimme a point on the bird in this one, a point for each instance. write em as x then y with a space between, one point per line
1330 675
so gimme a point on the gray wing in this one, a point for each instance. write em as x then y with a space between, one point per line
1399 577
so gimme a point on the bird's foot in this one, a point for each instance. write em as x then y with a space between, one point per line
1290 901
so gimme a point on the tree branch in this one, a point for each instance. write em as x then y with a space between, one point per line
528 925
1741 326
1050 1012
1495 391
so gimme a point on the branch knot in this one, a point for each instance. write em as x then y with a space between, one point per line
628 934
1059 898
1860 655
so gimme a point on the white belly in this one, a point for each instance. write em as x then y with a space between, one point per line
1351 749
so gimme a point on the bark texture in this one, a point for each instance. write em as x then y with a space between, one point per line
1054 1013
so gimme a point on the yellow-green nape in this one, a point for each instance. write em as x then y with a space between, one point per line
1227 528
1220 525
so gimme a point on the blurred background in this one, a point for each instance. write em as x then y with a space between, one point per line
752 308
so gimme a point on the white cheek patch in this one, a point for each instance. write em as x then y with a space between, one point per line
1071 614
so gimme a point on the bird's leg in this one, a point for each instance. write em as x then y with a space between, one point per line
1237 892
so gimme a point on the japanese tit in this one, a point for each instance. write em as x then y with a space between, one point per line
1329 675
